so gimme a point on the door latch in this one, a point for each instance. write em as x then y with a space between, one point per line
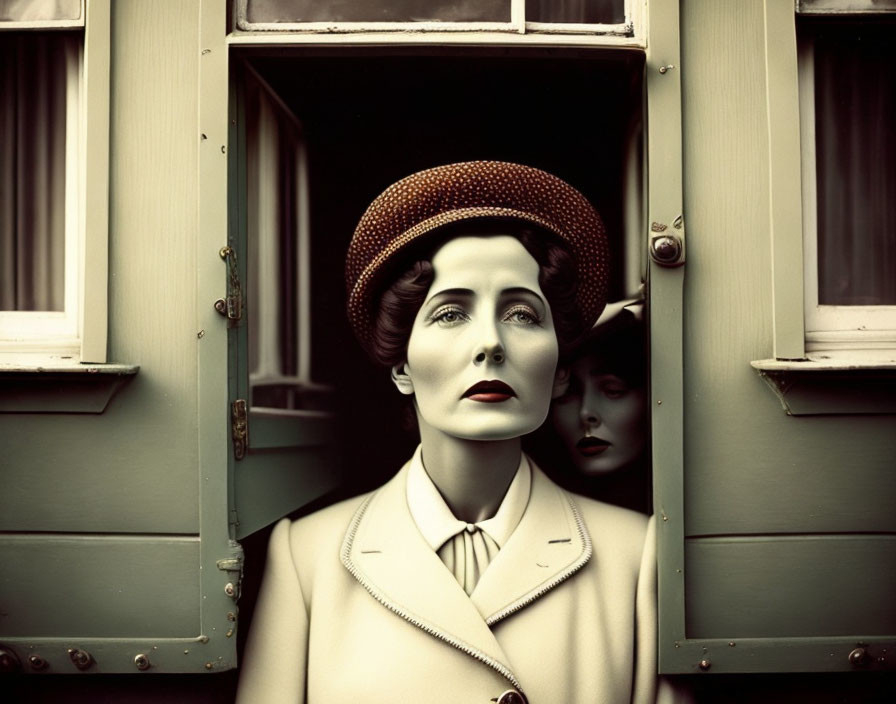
239 427
233 305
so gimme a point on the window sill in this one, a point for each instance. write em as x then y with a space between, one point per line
829 384
54 386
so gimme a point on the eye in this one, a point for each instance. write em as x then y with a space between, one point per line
522 315
614 390
447 316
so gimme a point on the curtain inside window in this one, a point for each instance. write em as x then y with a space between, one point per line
33 70
264 11
855 108
576 11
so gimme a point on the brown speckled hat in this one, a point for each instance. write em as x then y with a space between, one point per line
422 202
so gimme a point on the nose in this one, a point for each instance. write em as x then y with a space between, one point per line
588 414
493 353
489 347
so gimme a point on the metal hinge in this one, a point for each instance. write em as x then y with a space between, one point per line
234 303
233 566
239 427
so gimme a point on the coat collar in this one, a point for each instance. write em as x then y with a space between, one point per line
385 552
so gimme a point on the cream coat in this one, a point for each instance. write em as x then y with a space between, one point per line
356 607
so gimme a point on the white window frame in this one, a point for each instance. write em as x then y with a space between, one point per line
860 332
79 332
632 31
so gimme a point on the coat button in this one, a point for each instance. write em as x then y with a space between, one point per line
511 696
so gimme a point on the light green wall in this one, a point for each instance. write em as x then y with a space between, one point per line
134 467
749 468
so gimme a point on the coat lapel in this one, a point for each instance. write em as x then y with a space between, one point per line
385 552
549 545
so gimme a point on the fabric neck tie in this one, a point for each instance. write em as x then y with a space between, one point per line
468 554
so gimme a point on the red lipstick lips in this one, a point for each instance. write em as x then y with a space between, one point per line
589 447
489 392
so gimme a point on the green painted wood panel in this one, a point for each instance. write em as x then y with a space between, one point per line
749 468
133 468
87 586
794 587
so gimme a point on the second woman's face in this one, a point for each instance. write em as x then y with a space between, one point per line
482 355
601 418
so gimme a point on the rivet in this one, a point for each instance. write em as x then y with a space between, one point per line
229 589
142 662
859 657
231 616
37 662
225 251
667 67
659 403
705 664
208 666
8 661
229 632
731 644
221 306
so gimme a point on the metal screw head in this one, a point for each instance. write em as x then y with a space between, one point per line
81 658
229 589
37 662
142 662
221 306
705 664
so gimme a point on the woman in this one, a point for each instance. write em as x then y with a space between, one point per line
601 420
470 576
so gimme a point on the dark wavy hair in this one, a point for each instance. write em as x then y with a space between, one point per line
401 301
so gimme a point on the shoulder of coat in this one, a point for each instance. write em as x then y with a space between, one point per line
609 524
329 521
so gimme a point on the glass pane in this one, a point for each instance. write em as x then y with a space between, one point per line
855 101
841 6
262 11
33 106
34 10
576 11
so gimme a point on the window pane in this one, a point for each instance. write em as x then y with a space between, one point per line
260 11
32 10
855 102
33 93
584 11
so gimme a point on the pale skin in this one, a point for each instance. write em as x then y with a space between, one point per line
482 367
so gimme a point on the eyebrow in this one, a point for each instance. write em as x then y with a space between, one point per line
469 293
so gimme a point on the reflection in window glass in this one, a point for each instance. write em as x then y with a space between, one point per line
576 11
855 101
263 11
39 10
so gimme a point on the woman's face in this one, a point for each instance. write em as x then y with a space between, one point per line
482 355
600 419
